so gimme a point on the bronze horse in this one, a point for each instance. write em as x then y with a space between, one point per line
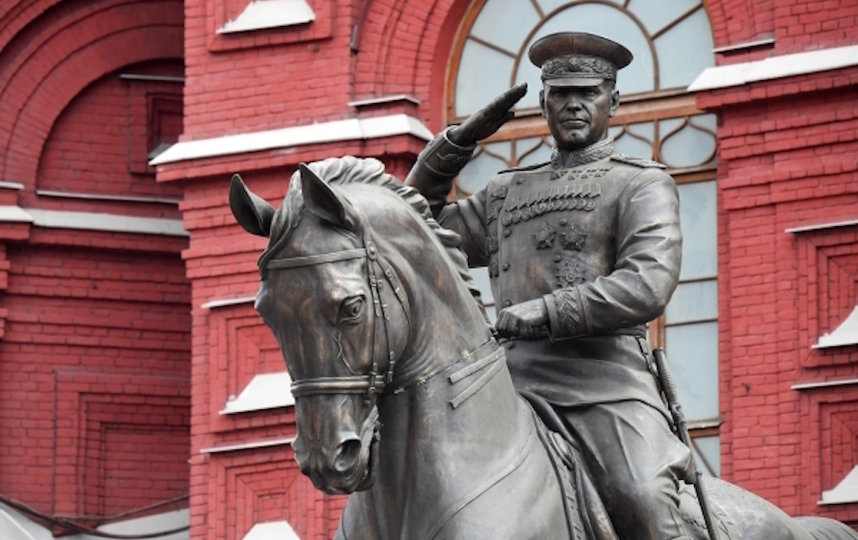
403 398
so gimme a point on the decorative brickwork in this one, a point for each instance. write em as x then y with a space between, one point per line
785 278
94 303
116 435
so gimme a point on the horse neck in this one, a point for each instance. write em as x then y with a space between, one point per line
445 320
442 446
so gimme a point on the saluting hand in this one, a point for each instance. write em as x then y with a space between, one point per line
527 320
489 119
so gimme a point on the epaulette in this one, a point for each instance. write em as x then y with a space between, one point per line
637 162
525 168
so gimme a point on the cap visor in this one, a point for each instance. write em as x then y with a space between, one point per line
574 81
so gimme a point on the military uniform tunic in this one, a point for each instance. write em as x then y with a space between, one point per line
599 241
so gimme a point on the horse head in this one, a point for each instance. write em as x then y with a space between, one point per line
337 310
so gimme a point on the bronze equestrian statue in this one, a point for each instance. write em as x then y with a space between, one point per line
403 396
405 399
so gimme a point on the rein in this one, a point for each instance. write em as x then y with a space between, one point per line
372 383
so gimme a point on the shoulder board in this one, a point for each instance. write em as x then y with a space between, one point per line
637 162
526 168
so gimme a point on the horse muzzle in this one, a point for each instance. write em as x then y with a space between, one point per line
345 467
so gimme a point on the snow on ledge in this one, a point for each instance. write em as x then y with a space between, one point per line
265 391
844 492
272 530
775 67
261 14
845 334
337 130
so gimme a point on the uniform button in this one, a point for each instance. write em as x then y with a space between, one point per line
558 257
564 221
519 181
505 266
507 303
507 232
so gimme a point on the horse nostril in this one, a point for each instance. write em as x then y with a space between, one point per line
347 453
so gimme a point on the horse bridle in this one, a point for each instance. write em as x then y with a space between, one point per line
373 382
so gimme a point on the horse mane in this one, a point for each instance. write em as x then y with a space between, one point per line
351 170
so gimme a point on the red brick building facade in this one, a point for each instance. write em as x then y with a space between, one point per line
133 368
788 248
94 300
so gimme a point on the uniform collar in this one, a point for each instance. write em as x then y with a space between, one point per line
589 154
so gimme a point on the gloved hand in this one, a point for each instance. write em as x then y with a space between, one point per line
527 320
489 119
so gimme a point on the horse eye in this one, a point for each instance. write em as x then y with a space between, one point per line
352 309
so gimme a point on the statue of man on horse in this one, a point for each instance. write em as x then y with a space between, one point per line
404 397
582 252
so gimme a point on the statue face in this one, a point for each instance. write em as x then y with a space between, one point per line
579 116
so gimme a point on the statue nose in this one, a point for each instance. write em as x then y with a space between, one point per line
341 459
346 454
573 104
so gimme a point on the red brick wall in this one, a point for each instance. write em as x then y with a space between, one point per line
94 324
232 88
62 49
95 344
786 154
806 26
787 26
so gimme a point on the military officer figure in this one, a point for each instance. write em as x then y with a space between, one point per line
582 252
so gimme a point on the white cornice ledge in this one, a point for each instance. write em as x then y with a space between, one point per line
90 221
775 67
14 214
337 130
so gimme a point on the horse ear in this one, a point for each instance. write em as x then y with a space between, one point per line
252 212
322 201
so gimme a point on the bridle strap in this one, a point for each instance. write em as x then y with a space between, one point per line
372 383
311 260
357 384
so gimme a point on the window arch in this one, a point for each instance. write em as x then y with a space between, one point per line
651 30
672 43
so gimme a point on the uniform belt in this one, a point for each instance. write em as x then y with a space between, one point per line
638 331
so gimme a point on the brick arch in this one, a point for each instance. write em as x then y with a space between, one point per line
81 43
406 49
740 21
435 61
380 38
19 16
400 41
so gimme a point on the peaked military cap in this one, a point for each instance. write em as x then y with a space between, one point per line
578 59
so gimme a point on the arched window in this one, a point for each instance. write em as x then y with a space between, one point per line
672 43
